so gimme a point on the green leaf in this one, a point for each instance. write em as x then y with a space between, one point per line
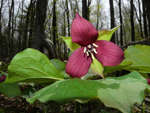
70 53
145 75
58 64
1 111
116 92
139 55
3 73
10 90
118 67
28 92
97 67
89 75
3 67
32 66
106 34
123 92
72 46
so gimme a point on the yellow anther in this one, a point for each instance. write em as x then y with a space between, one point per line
95 50
89 46
95 45
84 49
87 53
92 56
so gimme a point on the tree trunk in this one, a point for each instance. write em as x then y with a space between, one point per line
12 27
97 15
88 9
20 27
121 31
31 24
68 22
147 5
64 34
54 24
144 19
39 39
84 9
112 20
140 19
26 26
1 40
132 21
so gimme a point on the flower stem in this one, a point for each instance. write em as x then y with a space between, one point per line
77 107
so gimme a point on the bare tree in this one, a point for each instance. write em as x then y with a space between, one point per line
97 13
84 9
54 24
139 17
1 46
67 13
144 19
39 39
24 46
147 5
112 20
132 21
121 22
32 20
88 9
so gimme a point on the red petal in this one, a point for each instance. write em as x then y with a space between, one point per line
78 63
2 78
82 31
108 53
148 81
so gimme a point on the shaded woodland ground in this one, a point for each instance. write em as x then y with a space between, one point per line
19 105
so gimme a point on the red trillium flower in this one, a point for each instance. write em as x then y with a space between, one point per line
148 81
84 34
2 78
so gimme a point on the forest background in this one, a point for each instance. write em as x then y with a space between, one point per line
40 23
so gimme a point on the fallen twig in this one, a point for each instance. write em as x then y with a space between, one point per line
138 42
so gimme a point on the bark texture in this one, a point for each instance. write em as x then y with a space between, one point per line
39 39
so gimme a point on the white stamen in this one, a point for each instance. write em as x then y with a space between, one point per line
84 49
92 56
95 50
87 53
95 45
89 46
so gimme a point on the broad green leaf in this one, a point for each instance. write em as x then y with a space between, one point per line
58 64
116 92
140 56
72 46
97 67
10 90
32 66
118 67
106 34
120 91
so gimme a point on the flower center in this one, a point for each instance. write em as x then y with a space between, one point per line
90 50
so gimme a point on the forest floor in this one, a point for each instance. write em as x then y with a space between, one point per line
20 105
